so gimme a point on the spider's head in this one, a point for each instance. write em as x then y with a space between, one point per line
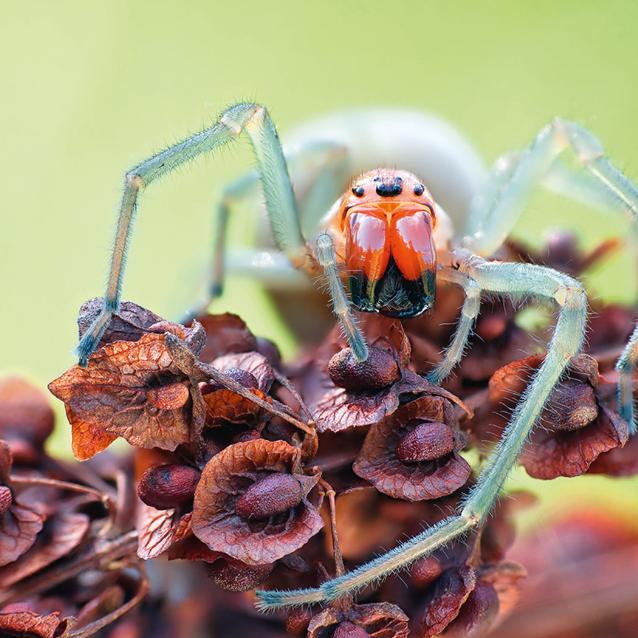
387 221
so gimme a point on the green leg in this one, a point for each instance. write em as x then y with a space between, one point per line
280 202
328 261
625 367
469 312
497 209
319 171
511 280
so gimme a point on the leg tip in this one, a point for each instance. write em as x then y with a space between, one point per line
216 290
91 338
85 349
360 350
626 410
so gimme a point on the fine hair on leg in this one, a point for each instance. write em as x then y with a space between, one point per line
250 118
510 280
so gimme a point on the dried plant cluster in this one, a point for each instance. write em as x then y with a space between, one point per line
248 471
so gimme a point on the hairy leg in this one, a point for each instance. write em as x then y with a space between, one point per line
515 281
497 209
280 202
328 261
469 312
319 171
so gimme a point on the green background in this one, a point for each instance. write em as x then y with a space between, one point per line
89 88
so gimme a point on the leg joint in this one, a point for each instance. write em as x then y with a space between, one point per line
473 518
571 294
134 181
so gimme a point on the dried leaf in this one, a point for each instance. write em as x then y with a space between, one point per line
621 461
225 479
131 322
476 615
128 389
19 524
445 599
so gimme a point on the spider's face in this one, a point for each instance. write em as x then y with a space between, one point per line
387 220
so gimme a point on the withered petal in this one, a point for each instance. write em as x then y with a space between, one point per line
62 533
19 527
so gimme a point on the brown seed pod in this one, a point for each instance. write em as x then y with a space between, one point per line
228 476
166 486
6 499
379 461
378 620
297 622
425 571
273 494
378 371
572 406
428 441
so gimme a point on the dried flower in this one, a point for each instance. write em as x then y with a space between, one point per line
234 514
413 454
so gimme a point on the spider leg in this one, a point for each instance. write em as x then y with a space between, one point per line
625 367
454 352
327 259
515 281
319 171
496 210
278 194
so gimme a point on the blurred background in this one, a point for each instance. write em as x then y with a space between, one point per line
90 88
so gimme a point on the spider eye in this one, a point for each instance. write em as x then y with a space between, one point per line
419 189
358 191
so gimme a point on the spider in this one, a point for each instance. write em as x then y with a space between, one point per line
385 244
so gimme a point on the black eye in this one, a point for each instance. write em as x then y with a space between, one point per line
358 191
418 189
